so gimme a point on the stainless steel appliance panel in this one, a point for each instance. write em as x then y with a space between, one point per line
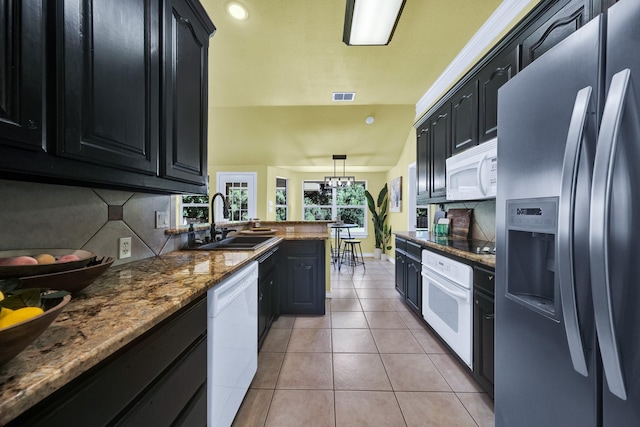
535 370
620 236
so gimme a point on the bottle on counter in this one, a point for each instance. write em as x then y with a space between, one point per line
191 237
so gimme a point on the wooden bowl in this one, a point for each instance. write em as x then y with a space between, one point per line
71 280
17 337
32 270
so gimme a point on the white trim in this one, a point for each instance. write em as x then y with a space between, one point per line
492 28
411 210
251 178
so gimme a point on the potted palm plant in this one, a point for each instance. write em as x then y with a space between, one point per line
378 211
386 239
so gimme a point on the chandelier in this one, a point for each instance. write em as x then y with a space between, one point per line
339 181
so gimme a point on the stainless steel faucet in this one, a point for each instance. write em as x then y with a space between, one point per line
225 215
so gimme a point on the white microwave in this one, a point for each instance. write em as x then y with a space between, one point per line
473 174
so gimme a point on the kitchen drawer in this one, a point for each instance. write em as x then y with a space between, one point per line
484 280
414 250
401 244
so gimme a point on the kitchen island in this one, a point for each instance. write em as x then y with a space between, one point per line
125 303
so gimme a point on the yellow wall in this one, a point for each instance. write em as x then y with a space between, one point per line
399 221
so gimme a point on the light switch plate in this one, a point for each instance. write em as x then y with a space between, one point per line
162 219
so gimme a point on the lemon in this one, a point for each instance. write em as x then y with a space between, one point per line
19 315
4 311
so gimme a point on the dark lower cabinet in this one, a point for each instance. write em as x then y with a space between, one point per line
483 327
409 273
22 56
268 308
303 286
159 379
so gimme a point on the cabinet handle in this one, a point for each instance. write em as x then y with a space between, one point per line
261 296
490 316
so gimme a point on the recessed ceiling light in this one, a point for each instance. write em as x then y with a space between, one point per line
369 120
237 11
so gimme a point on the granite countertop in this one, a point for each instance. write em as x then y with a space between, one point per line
121 305
430 241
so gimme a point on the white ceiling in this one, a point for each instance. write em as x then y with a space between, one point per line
272 76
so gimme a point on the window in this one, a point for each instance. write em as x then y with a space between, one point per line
282 211
195 209
321 202
239 189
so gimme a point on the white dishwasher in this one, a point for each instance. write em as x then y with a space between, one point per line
232 342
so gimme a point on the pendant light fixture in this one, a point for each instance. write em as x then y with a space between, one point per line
371 22
339 180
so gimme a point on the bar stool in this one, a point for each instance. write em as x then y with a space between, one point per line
352 254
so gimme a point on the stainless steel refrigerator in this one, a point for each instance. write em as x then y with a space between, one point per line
567 349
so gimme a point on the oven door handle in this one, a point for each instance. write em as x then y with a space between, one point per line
455 294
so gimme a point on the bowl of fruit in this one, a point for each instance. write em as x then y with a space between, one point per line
32 262
24 315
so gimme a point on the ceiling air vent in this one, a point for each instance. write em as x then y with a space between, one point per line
344 96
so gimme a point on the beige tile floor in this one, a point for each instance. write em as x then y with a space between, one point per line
368 362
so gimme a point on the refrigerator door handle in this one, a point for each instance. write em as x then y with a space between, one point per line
602 185
564 242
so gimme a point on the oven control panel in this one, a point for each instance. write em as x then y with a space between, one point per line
457 272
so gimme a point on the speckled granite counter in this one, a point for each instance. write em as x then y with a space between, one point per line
125 302
429 241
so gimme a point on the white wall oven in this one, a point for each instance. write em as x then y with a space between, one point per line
447 295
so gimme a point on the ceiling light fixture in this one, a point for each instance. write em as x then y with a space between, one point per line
369 120
237 11
339 181
371 22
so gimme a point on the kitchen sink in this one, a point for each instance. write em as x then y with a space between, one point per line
238 243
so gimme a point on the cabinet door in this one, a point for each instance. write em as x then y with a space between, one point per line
490 79
263 309
483 339
440 146
187 31
108 88
464 118
21 73
414 284
400 272
303 295
554 29
423 168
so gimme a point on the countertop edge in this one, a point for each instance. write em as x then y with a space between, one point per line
22 387
481 259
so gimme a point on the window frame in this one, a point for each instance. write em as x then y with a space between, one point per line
286 198
355 232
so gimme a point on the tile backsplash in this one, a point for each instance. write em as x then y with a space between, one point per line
34 215
483 221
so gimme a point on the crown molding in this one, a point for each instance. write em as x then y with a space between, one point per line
497 23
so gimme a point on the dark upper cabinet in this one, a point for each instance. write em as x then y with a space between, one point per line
22 27
553 29
109 83
187 31
423 170
440 150
105 94
464 118
490 78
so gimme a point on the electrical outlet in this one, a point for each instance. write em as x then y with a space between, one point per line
290 229
124 245
162 219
